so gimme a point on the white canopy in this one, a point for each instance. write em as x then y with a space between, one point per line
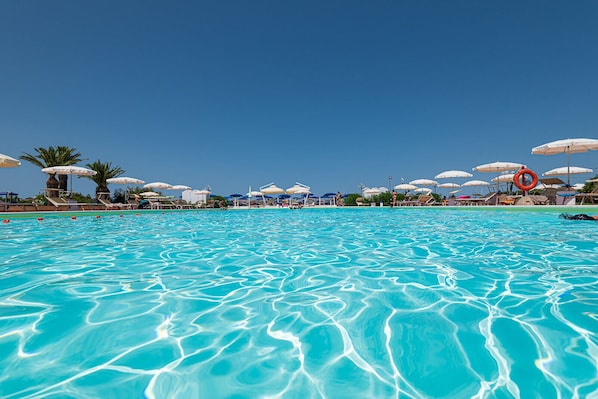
158 185
564 171
498 166
271 189
124 180
405 186
8 162
69 170
451 174
180 187
424 182
472 183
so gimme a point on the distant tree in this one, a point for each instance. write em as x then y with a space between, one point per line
120 195
104 171
589 186
351 199
47 157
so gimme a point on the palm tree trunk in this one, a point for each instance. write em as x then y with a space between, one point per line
52 184
102 191
63 182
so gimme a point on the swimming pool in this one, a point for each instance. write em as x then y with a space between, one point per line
338 303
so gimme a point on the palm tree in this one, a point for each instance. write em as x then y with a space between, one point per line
104 171
47 157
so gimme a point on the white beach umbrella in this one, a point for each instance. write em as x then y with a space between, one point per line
69 170
149 194
565 171
8 162
567 146
424 182
448 185
473 183
271 189
371 191
423 190
405 186
451 174
124 180
158 185
543 186
504 178
252 194
498 167
180 187
298 188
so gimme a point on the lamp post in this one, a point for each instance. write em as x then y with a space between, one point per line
389 183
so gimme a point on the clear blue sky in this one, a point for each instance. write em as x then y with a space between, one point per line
328 93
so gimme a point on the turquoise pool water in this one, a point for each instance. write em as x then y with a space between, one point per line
340 303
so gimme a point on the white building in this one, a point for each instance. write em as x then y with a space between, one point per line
196 196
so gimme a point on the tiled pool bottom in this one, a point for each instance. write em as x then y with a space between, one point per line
332 303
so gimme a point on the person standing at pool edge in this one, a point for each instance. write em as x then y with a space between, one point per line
339 199
394 198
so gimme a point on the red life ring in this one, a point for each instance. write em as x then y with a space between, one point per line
520 185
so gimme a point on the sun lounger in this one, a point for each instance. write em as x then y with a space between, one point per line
488 199
506 200
408 201
161 203
590 197
539 199
65 204
182 204
425 200
113 205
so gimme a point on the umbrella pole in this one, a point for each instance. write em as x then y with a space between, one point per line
568 169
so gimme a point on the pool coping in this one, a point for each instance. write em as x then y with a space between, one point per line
99 213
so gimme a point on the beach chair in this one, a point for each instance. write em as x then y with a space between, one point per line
592 196
504 199
408 201
65 204
539 199
182 204
161 203
488 199
425 200
112 205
